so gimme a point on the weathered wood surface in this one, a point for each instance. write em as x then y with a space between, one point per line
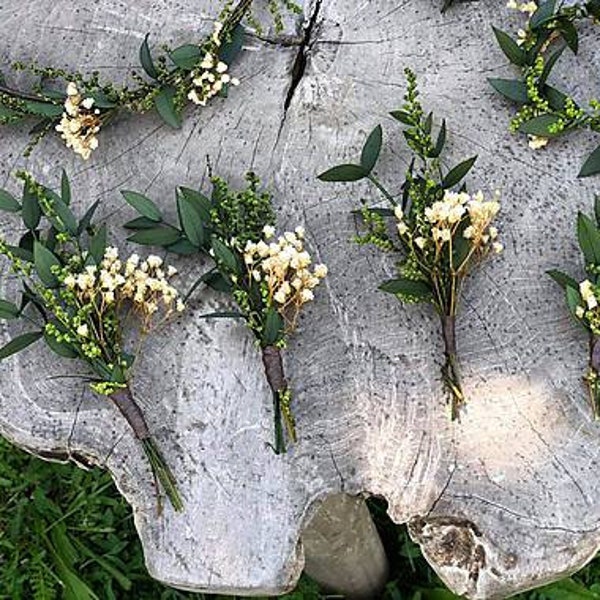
506 499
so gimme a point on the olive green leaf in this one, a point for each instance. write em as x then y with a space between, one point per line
44 261
562 279
403 117
371 149
589 239
143 205
573 300
98 244
458 173
511 49
165 106
199 201
591 165
441 141
186 56
44 109
31 211
190 220
407 287
232 46
140 223
86 220
19 343
61 348
225 256
543 14
159 236
513 89
8 310
8 202
274 327
146 59
58 213
65 188
344 173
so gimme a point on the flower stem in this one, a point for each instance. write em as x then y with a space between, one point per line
274 371
124 401
450 372
592 377
381 188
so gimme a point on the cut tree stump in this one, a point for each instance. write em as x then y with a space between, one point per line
502 501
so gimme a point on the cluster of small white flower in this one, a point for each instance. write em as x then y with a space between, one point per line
283 266
213 75
588 295
144 283
80 123
445 217
524 7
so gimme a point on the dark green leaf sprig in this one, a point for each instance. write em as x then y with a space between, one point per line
439 235
79 298
546 112
270 279
583 298
193 73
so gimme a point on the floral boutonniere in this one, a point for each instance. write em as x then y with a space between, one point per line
193 73
583 298
80 298
440 235
270 278
546 112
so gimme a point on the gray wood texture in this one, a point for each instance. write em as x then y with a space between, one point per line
502 501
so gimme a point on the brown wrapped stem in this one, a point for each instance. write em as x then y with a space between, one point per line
450 369
124 401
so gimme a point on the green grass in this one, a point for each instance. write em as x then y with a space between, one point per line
66 534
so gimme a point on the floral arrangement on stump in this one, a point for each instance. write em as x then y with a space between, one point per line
439 234
583 298
82 299
270 278
546 112
193 73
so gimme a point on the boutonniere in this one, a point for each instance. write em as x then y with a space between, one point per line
436 229
269 277
86 302
78 107
545 112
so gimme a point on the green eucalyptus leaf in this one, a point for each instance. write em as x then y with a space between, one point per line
146 59
60 348
159 236
22 253
574 300
589 239
541 125
8 202
140 223
344 173
143 205
274 327
570 35
65 188
225 256
562 279
199 201
20 343
216 281
556 98
407 287
458 173
591 165
191 221
513 89
403 117
441 141
543 14
371 149
183 247
511 49
231 47
44 109
86 220
31 211
44 260
58 213
224 314
550 63
8 310
164 103
98 244
186 57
